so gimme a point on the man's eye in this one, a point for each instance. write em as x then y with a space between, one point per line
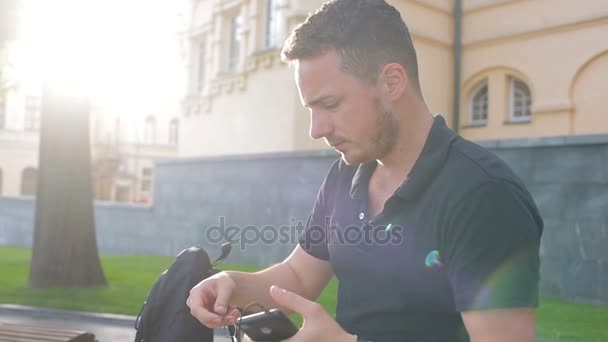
332 105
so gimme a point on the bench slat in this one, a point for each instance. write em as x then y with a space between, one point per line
26 333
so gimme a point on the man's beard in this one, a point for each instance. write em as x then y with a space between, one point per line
387 131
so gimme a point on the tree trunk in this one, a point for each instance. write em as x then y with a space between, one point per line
65 246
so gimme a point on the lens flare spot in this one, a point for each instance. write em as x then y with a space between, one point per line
388 228
432 259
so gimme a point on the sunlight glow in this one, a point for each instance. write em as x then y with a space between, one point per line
117 52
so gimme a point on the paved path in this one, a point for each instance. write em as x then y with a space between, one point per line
107 328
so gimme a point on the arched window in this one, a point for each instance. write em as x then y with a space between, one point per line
174 131
150 130
479 104
29 181
520 101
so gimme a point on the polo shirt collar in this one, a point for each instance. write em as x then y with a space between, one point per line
428 164
360 182
430 161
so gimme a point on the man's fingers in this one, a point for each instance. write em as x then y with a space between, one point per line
293 302
234 313
198 301
206 317
222 300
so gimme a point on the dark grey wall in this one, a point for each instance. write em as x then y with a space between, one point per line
568 178
274 190
193 195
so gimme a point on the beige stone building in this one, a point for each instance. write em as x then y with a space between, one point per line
19 137
124 146
496 69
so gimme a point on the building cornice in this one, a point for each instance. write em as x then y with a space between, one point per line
440 6
483 5
226 5
199 30
597 19
324 153
223 84
554 141
422 37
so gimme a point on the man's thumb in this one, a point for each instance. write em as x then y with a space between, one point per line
290 300
221 301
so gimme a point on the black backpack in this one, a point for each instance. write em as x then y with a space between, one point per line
164 316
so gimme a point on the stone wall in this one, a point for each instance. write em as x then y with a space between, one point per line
567 176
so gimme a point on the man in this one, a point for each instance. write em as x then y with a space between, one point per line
461 258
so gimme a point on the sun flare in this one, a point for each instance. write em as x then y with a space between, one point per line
114 51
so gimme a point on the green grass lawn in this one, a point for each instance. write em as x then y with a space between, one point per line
130 278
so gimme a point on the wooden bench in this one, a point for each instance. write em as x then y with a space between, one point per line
28 333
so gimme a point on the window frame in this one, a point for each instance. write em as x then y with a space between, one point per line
30 188
174 131
472 106
150 129
272 24
31 116
513 82
234 20
201 74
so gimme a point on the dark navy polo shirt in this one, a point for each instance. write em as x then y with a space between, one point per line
461 233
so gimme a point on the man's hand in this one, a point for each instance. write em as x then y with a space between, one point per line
318 324
209 301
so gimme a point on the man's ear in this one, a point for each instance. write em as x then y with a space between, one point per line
393 81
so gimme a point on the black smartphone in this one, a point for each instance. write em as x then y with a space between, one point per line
271 325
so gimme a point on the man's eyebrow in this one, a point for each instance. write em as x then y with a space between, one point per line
318 100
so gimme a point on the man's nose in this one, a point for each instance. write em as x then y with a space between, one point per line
320 125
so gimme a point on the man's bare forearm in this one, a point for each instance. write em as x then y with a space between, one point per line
254 287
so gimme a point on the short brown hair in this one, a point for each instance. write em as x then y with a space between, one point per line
368 34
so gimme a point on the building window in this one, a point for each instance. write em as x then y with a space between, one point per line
150 130
273 24
32 114
174 131
0 182
123 193
479 105
234 52
2 113
146 185
202 56
520 101
146 181
29 181
117 130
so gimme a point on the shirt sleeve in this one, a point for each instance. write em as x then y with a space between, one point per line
314 236
491 251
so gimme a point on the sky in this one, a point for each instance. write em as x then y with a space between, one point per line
122 53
